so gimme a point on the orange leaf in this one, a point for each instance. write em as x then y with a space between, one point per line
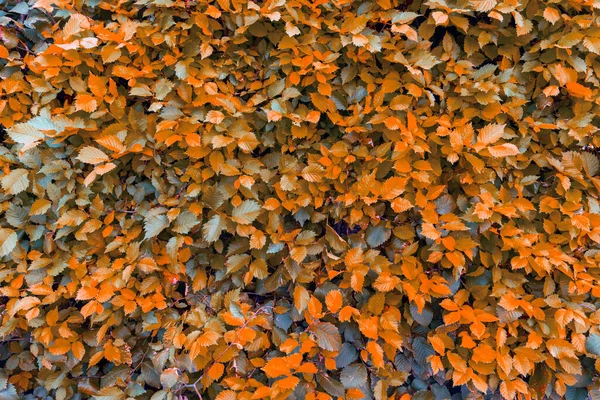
60 346
578 90
288 383
369 327
376 354
315 308
354 393
276 367
78 350
216 371
261 392
333 300
86 102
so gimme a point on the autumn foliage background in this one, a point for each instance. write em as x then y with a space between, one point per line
382 199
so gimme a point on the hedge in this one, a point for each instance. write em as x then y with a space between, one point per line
291 199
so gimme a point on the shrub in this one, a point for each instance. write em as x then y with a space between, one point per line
299 199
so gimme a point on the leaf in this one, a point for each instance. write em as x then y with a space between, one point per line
212 229
162 88
40 207
503 150
347 356
16 181
25 303
60 346
328 336
246 213
276 367
424 317
578 90
576 393
483 5
331 385
386 282
75 24
354 376
109 393
169 378
551 15
301 298
313 173
8 241
25 133
208 338
592 344
334 301
422 350
591 163
86 102
404 17
185 222
288 383
491 133
298 254
377 235
78 350
155 222
92 155
97 85
9 392
315 308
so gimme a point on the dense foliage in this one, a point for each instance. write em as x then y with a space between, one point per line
304 199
